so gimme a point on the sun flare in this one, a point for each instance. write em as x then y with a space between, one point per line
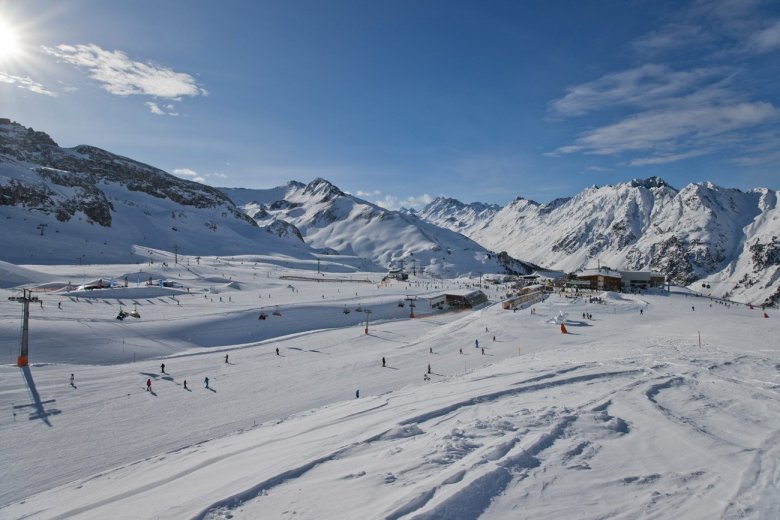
9 42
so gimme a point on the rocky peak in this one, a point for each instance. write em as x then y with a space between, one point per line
320 187
650 182
20 142
442 203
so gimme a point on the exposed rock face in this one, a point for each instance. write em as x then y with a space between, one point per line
97 206
85 169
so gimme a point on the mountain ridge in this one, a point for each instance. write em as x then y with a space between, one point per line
700 233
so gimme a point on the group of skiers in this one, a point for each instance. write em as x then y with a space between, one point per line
162 370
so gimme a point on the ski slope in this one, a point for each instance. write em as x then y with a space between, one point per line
626 416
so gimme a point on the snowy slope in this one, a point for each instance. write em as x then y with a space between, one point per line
702 232
331 219
628 416
96 206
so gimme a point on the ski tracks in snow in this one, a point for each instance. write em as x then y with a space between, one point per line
475 460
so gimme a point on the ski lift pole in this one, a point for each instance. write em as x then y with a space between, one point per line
411 301
368 315
25 300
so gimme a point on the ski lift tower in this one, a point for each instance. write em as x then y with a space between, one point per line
25 300
411 300
368 315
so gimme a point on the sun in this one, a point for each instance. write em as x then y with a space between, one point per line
9 42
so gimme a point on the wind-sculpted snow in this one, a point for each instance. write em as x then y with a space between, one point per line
625 418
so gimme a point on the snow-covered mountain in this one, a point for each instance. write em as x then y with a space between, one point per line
454 214
330 219
723 238
63 205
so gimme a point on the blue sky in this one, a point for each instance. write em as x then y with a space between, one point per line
401 101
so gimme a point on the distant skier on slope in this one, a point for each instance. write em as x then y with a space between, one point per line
206 382
148 385
226 358
185 385
162 368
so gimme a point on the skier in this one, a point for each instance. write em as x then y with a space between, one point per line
383 362
277 351
185 385
641 312
148 385
59 305
206 382
483 351
494 338
357 393
162 368
460 351
430 350
429 368
71 380
476 343
226 358
692 308
486 329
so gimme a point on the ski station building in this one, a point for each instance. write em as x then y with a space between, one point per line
641 279
397 273
602 279
605 279
459 298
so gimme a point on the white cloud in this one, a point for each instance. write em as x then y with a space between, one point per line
123 76
394 203
669 129
767 39
154 108
641 86
674 36
189 174
361 193
677 114
598 169
668 158
26 83
192 175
